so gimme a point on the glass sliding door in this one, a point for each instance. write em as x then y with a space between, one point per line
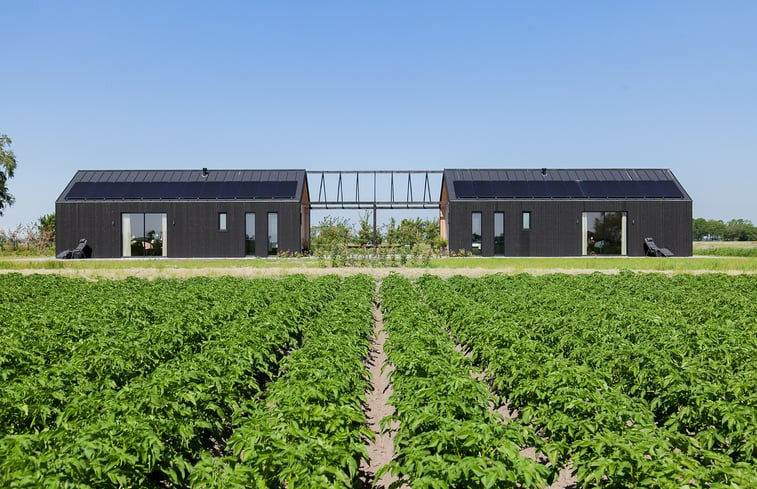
499 233
604 233
144 234
273 233
476 233
249 233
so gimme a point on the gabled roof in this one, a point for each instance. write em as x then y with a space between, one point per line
88 185
616 183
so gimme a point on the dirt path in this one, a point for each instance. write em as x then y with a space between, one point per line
381 451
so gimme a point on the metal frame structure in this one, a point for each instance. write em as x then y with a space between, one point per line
324 202
339 202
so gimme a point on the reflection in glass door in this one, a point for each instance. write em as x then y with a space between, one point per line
249 233
273 233
476 233
499 233
144 234
604 233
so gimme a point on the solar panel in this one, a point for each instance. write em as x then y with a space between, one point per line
483 189
520 189
181 190
287 189
501 189
464 189
593 189
541 189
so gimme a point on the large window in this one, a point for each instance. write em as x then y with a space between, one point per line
476 233
249 233
143 234
604 233
273 233
499 233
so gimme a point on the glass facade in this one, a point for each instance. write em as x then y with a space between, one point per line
143 234
273 233
249 233
476 233
499 233
604 233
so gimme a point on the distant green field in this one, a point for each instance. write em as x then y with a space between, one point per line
726 248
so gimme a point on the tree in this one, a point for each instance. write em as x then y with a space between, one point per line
411 232
331 231
46 228
7 168
740 230
365 232
707 229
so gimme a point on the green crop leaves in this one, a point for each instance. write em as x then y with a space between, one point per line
642 380
448 435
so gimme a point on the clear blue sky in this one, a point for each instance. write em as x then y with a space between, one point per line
385 85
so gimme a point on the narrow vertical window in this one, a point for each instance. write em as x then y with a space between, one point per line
222 221
499 233
476 233
526 220
249 233
273 233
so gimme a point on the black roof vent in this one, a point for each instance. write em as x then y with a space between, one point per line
544 172
205 172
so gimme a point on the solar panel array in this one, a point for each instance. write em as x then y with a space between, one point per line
182 190
571 189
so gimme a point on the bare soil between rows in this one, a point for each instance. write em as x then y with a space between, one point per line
381 450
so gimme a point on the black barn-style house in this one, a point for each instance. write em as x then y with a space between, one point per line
547 212
185 213
237 213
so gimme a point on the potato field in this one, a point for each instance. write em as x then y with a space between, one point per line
628 380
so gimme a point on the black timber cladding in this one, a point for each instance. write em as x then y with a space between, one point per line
654 201
93 203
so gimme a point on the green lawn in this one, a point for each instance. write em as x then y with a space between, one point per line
683 264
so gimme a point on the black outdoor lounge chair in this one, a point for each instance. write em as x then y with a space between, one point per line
651 249
82 250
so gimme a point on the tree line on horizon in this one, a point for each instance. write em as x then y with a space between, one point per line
718 230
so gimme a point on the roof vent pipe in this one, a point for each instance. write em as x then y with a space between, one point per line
544 172
204 172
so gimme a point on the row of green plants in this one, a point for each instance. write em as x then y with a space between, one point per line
448 434
61 343
641 381
150 431
309 430
684 350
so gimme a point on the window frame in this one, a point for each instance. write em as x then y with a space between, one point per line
501 215
477 250
525 220
247 241
272 251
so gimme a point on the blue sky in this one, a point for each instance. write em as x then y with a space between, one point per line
382 85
